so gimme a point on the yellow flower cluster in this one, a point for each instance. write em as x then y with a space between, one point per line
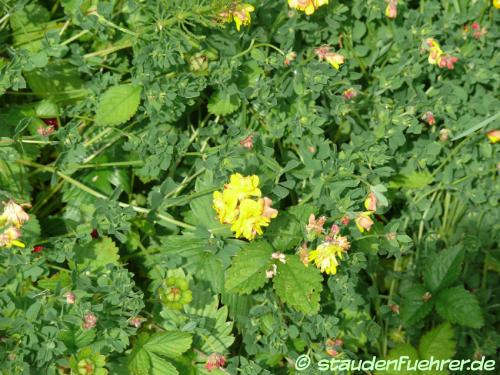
307 6
239 13
325 256
240 204
12 218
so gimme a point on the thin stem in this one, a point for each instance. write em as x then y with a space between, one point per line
96 194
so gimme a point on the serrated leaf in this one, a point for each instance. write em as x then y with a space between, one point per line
438 343
414 308
170 344
286 231
395 354
160 366
457 305
298 286
118 104
443 268
97 254
248 270
223 103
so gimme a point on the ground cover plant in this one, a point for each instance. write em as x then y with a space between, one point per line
196 186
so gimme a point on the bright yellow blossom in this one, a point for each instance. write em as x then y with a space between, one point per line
240 205
244 187
307 6
239 13
325 256
496 4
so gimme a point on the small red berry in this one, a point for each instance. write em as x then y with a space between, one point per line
37 248
94 234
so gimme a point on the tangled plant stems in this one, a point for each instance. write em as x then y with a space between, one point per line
236 186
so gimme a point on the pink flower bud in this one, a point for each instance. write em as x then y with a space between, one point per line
215 361
334 230
70 298
89 321
247 142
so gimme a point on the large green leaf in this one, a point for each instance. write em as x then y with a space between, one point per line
298 286
460 306
438 343
248 271
414 307
118 104
443 268
170 344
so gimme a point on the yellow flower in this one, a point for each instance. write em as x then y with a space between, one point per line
225 205
244 187
236 205
14 214
241 15
9 238
496 4
307 6
364 221
325 257
250 219
335 59
435 51
493 135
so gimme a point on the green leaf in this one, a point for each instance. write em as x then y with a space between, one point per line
298 286
97 254
248 271
443 268
395 354
438 343
460 306
160 366
170 344
414 308
224 103
286 231
413 180
118 104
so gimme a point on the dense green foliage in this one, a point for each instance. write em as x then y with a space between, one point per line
120 119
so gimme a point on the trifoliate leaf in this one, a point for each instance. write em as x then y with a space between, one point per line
298 286
460 306
248 271
160 366
414 307
118 104
443 269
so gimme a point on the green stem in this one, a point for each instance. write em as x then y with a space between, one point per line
96 194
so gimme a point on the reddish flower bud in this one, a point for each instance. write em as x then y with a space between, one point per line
89 321
247 142
215 361
345 220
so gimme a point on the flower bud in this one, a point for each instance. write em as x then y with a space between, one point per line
247 142
70 298
364 222
371 202
89 321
